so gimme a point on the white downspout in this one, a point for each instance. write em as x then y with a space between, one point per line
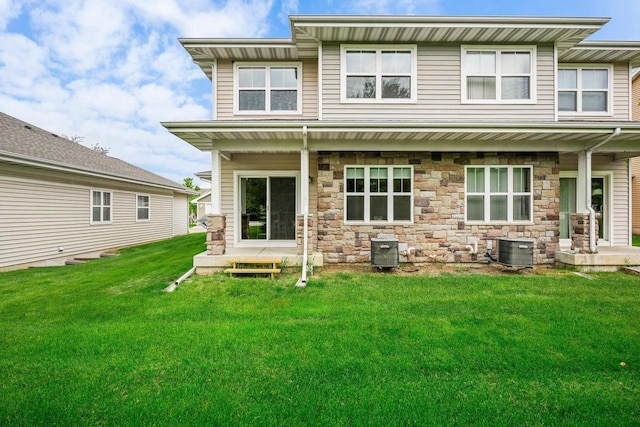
304 172
592 212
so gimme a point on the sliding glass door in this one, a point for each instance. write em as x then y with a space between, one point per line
267 208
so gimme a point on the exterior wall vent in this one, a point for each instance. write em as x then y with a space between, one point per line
515 252
384 253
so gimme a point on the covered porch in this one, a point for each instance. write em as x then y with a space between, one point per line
608 258
206 263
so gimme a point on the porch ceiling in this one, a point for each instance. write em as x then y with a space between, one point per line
327 136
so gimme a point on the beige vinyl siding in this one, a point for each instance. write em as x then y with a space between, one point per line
635 194
620 98
265 162
41 211
619 210
180 214
635 99
224 104
438 91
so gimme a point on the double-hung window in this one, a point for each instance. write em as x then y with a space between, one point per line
272 89
498 75
143 207
584 89
499 194
378 74
101 205
378 194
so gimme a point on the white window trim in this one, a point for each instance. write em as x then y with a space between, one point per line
579 112
139 207
533 90
267 66
238 242
91 206
378 48
487 193
367 194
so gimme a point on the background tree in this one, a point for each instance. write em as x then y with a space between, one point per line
95 147
193 209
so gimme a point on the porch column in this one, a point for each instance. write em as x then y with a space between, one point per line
216 181
581 226
216 222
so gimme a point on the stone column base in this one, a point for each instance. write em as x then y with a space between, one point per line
580 233
216 234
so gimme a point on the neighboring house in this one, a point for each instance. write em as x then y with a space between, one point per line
203 205
441 131
60 199
635 162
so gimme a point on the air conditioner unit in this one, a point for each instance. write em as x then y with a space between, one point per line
515 252
384 253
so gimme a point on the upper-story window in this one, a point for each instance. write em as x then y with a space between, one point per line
274 89
499 75
584 89
378 73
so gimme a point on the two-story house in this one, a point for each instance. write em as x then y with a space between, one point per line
445 132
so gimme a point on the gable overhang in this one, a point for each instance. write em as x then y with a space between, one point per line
603 52
206 51
258 136
566 32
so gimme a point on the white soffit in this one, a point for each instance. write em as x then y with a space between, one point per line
603 51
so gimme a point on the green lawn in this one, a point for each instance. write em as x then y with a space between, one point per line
101 344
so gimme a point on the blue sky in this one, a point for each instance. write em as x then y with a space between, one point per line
111 70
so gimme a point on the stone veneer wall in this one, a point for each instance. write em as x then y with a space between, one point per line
439 232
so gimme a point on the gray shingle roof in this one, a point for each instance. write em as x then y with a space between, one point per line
24 141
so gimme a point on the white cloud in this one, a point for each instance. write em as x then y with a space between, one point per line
9 9
395 7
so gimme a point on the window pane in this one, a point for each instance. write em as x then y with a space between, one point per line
521 180
498 208
594 101
567 101
402 180
521 208
355 208
378 180
251 100
143 213
396 87
355 172
475 208
143 201
106 199
361 87
95 214
97 198
251 77
481 87
284 100
396 62
402 208
475 180
516 63
378 208
481 62
498 180
515 88
284 77
361 62
106 214
595 79
567 79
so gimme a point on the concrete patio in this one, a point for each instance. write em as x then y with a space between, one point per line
608 258
206 263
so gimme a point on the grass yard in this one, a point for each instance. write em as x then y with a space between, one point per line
101 344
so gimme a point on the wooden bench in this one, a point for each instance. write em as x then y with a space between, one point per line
255 266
